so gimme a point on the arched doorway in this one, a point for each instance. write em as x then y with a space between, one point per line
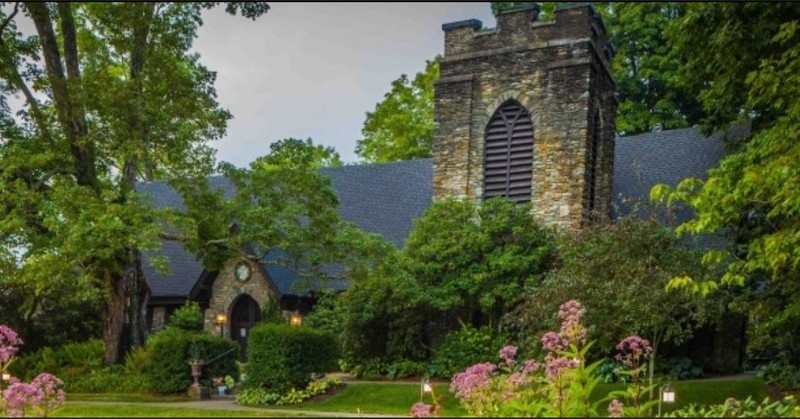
244 315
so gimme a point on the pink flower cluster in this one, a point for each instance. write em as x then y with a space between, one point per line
421 410
556 366
9 343
571 313
615 409
508 354
632 349
19 395
553 342
475 377
44 393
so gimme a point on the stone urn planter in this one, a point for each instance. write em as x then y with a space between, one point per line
196 391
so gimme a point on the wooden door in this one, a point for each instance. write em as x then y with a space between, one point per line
244 315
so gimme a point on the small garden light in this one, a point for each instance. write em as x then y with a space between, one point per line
6 376
425 388
667 396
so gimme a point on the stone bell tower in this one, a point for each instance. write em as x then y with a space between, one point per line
526 111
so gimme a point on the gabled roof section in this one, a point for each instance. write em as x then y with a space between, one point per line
378 198
644 160
384 198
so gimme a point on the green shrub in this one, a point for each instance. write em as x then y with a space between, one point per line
187 317
678 368
787 407
169 349
68 360
781 374
260 396
466 347
283 357
137 361
371 368
404 368
256 397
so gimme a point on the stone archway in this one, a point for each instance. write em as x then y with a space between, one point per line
244 314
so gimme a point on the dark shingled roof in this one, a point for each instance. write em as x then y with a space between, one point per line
386 198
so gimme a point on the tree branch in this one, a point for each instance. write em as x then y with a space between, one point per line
8 20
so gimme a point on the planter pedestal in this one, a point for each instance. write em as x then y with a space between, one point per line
196 391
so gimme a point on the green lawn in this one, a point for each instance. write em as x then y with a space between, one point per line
92 410
392 398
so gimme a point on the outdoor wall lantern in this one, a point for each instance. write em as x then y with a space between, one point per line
296 319
222 318
667 396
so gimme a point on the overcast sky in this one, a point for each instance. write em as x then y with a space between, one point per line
313 69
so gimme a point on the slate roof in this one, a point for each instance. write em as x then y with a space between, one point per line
386 198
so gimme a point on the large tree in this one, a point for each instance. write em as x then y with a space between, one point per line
111 95
401 126
747 70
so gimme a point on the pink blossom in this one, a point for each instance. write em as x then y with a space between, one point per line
632 349
556 366
571 313
20 395
421 410
508 354
475 377
530 366
553 342
9 343
615 409
52 394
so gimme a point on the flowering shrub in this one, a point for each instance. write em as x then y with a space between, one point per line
421 410
43 394
558 386
633 353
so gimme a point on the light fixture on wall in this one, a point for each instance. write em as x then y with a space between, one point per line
296 319
222 318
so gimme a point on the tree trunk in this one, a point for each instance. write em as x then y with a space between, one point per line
114 319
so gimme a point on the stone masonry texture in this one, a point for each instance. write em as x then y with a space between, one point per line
560 72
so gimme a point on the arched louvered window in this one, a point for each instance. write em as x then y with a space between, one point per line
508 154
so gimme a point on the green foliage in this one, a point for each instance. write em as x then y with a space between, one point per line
401 126
781 374
112 94
678 368
188 317
404 368
787 407
608 371
618 271
476 260
169 353
271 313
279 356
261 397
644 70
291 153
137 361
106 380
749 72
466 347
72 359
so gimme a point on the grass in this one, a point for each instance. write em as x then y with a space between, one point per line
709 391
127 398
391 398
93 410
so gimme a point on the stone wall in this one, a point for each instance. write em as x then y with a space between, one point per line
560 72
227 289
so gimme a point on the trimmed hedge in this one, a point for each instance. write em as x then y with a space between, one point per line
169 350
283 357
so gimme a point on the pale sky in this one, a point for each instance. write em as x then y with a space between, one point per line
314 69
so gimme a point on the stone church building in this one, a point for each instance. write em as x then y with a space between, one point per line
525 110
